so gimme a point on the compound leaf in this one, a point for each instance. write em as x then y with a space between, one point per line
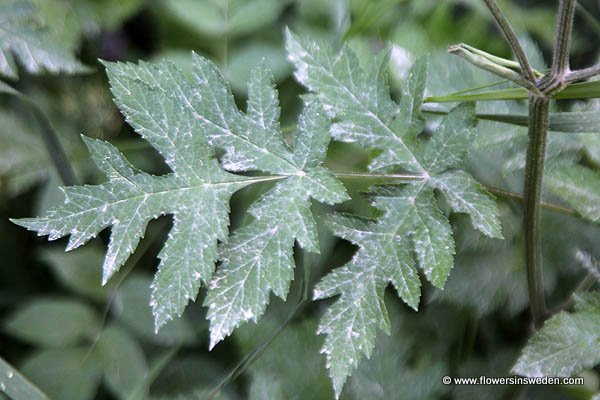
411 220
128 201
258 258
359 100
364 113
186 121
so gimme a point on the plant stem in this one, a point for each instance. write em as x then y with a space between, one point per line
55 149
409 178
511 39
587 282
391 179
251 357
582 74
56 152
562 40
539 120
17 386
589 18
365 175
517 196
534 171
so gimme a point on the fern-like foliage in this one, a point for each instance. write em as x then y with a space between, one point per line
191 121
183 120
23 35
360 103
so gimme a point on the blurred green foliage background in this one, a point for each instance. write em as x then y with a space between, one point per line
78 340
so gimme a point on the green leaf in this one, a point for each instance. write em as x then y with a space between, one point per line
364 113
591 145
291 366
131 307
360 99
236 69
232 18
567 344
24 159
411 219
401 367
579 186
15 385
122 360
466 195
5 88
52 322
258 258
66 374
187 121
131 198
79 270
451 140
37 50
351 322
571 122
583 90
92 16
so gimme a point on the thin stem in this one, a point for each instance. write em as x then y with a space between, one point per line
539 114
539 121
55 149
257 352
479 88
365 175
562 40
589 17
407 178
511 39
114 290
582 74
17 386
587 282
517 196
410 178
140 389
555 81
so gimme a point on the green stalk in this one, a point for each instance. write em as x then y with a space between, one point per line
57 153
511 39
539 112
539 120
562 40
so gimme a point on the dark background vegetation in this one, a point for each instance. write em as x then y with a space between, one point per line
476 326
